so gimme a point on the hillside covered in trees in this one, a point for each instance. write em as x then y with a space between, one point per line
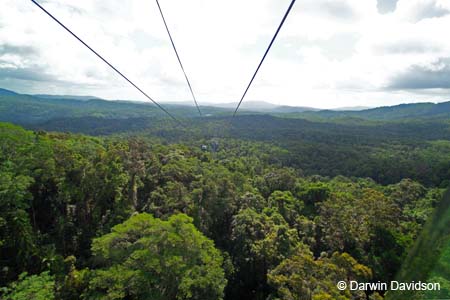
386 144
110 200
154 216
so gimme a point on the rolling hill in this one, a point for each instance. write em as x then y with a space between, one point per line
4 92
40 109
387 113
28 109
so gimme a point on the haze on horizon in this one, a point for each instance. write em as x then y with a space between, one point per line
330 53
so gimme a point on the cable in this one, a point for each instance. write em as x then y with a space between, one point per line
105 61
178 57
264 57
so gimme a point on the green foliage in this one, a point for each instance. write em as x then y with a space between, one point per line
17 242
259 242
288 206
414 138
147 258
347 221
302 277
254 201
428 260
36 287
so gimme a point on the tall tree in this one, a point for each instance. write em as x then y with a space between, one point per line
147 258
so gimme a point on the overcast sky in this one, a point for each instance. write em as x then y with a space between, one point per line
330 53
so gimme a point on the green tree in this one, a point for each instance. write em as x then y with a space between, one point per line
302 277
147 258
36 287
348 221
17 242
288 206
260 241
281 179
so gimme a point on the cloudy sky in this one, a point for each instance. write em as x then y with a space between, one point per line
330 53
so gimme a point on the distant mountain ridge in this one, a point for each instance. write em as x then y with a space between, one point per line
352 108
69 97
388 113
28 109
262 106
4 92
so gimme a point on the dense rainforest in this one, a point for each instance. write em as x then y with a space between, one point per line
137 218
103 200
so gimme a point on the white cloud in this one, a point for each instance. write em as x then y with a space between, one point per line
329 54
418 10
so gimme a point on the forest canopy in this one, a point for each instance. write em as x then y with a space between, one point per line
133 217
